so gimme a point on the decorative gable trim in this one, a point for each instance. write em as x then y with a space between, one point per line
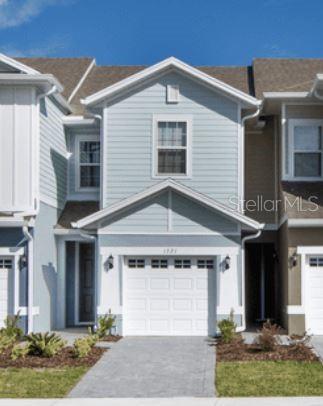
177 187
169 64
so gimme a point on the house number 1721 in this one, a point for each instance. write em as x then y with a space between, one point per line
170 251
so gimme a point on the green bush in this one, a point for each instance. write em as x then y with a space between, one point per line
82 347
6 342
12 328
105 323
19 351
44 344
227 329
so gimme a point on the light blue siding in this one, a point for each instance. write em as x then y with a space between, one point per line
45 268
72 137
148 216
189 216
179 212
128 150
53 160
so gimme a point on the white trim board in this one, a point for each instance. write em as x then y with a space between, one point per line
303 223
177 187
167 65
81 81
169 251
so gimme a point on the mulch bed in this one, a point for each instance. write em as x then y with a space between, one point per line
64 359
239 351
111 338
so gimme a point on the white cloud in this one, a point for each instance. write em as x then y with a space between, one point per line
16 12
52 47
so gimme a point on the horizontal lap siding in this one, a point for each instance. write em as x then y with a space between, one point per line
128 167
188 216
53 161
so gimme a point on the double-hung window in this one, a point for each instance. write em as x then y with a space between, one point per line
88 163
172 137
306 149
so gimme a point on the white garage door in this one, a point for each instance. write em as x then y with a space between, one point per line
314 309
169 296
5 268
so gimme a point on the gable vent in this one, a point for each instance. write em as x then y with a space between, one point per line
172 93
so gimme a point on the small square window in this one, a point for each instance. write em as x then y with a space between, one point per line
5 263
159 263
182 263
316 262
136 263
205 264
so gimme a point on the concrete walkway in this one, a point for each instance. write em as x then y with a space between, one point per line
317 343
152 367
310 401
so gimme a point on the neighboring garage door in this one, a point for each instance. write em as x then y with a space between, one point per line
314 316
5 287
169 296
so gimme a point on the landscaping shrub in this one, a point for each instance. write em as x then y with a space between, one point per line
19 351
268 337
12 328
44 344
105 324
81 347
227 329
6 342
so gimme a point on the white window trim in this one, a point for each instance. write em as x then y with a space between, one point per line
292 123
189 125
78 140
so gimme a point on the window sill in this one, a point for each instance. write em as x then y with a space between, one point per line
302 179
87 189
172 177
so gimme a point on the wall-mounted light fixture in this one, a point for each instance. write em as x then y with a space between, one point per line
293 260
227 262
22 262
110 261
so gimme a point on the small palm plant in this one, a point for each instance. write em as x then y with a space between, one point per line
44 344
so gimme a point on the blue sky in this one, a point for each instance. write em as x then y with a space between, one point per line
200 32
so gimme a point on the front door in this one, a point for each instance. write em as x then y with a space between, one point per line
86 283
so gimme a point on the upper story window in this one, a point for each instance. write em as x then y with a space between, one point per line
303 157
172 146
88 163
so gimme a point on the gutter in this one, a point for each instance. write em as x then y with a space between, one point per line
30 247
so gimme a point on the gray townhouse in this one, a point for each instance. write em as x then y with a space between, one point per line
167 195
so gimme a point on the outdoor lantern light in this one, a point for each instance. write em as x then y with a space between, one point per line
227 262
22 262
293 260
110 261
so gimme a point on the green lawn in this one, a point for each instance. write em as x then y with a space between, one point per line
269 378
38 383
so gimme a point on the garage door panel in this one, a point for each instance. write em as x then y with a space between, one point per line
159 305
159 283
167 301
183 283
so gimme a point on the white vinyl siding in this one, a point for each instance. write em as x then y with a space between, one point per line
128 150
18 149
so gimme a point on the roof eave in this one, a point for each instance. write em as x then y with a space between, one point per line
170 63
177 187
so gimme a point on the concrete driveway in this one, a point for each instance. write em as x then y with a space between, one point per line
152 367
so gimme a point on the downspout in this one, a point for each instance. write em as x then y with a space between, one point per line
94 239
30 279
243 273
243 120
318 96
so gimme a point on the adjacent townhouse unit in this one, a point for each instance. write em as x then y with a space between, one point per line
167 195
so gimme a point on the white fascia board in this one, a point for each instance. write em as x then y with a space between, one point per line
17 65
286 95
73 121
157 188
301 223
170 63
44 81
